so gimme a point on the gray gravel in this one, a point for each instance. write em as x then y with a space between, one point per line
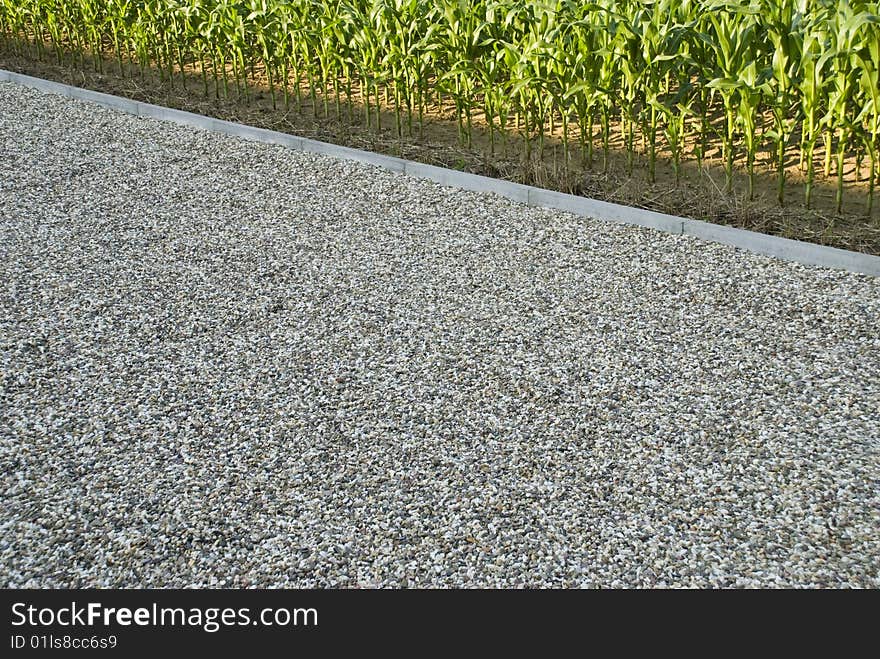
227 363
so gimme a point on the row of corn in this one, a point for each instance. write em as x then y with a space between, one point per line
776 80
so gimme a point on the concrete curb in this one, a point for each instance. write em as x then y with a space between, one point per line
782 248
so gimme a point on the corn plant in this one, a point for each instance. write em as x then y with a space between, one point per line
869 118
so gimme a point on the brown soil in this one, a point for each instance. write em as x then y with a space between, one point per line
698 194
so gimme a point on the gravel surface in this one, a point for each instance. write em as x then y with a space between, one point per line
227 363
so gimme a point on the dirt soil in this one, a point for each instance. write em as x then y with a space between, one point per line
697 194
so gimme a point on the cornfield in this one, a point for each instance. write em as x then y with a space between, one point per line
780 79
